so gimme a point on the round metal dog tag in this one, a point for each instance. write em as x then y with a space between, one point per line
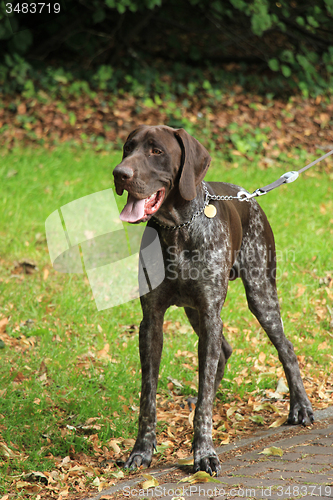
210 211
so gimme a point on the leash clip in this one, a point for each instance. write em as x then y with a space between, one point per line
245 195
259 192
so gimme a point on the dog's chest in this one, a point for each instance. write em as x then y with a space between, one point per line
196 262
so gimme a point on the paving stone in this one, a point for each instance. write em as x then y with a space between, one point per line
300 466
314 497
318 459
255 482
319 432
316 450
252 455
297 476
233 463
251 470
324 441
259 456
293 441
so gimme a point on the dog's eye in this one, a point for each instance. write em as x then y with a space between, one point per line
127 148
156 151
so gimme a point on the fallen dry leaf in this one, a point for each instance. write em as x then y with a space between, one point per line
280 421
273 450
7 452
104 353
262 357
28 487
185 461
3 324
63 493
114 445
117 475
300 290
282 386
258 419
199 477
225 441
323 346
266 406
231 411
36 477
150 482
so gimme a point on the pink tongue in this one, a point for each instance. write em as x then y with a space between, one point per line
134 210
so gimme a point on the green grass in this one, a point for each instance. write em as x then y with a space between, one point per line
51 373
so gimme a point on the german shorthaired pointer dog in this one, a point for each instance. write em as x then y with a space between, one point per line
163 169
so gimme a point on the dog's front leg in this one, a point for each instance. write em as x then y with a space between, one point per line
209 351
150 345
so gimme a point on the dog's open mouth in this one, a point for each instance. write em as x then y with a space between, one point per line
141 210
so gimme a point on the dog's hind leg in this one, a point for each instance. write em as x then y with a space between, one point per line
257 270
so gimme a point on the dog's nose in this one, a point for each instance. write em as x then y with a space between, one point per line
122 173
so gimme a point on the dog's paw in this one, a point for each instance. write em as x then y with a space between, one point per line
209 464
301 413
142 454
205 457
138 458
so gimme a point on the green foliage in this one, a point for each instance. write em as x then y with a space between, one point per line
21 42
103 76
274 64
308 51
261 20
16 69
247 140
106 42
132 5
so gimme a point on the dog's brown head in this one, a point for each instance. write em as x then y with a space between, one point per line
155 160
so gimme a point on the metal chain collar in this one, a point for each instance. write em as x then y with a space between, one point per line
241 196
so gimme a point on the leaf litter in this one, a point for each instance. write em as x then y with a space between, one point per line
298 122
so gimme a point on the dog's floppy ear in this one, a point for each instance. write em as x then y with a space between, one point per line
194 164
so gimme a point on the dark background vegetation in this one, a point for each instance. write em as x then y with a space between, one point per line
129 44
